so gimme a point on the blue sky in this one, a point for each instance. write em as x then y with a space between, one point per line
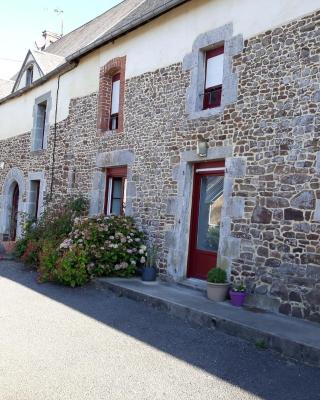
21 21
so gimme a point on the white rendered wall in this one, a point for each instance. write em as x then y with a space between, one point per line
160 43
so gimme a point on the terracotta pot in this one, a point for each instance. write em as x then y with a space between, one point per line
217 291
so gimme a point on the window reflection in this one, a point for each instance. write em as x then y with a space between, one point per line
209 218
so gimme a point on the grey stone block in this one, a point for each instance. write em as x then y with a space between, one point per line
318 162
172 206
115 158
131 189
236 167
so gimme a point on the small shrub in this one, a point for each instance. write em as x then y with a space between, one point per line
47 261
30 254
68 248
238 287
261 344
152 256
113 245
217 275
20 247
71 269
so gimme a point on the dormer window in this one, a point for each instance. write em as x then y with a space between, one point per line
29 76
213 78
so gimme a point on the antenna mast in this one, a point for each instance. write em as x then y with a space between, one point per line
59 13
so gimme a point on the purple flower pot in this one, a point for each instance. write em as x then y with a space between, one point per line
237 298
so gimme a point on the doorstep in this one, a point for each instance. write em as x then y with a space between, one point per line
294 338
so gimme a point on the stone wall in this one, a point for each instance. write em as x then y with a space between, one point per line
270 137
278 133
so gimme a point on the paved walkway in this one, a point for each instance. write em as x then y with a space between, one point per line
62 343
295 338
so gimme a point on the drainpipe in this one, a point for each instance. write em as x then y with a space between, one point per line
55 129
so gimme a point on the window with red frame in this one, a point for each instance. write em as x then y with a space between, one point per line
214 76
115 102
115 198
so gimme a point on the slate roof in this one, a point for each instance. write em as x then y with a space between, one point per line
120 19
5 87
90 31
46 61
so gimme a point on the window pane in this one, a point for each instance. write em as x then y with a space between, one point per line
116 207
115 97
116 200
210 204
214 71
117 188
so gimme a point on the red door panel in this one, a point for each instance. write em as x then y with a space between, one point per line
207 202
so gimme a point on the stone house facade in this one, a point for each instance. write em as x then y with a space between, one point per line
246 169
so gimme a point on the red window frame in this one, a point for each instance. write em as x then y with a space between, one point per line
212 95
115 172
114 118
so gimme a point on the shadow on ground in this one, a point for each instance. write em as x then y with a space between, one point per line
259 372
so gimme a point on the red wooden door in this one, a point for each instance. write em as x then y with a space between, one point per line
207 202
14 213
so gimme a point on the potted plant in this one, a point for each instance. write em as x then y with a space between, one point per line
149 271
217 285
238 294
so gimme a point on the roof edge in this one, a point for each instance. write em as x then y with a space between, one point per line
139 21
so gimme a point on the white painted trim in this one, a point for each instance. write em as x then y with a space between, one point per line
210 169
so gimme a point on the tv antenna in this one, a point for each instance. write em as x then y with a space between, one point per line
59 13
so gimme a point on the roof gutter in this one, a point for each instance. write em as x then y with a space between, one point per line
63 68
134 24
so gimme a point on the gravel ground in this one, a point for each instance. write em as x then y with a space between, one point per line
63 343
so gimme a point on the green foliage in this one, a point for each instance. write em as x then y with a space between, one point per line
261 344
39 246
238 287
71 269
217 275
113 245
20 247
47 261
70 249
152 256
213 236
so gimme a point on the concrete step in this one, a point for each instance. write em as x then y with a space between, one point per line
293 338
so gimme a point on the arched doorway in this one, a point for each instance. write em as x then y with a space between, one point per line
12 205
14 212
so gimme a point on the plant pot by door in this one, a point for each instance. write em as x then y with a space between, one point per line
149 274
217 291
237 298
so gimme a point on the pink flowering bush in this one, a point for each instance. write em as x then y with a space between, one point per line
69 248
111 246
